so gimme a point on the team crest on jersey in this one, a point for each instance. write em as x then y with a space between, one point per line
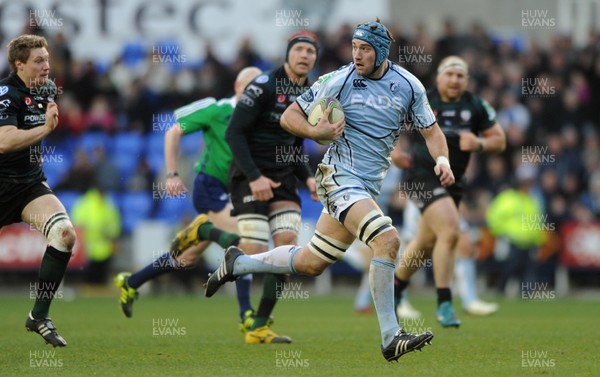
262 79
308 96
246 100
3 90
281 98
465 115
394 85
254 90
27 101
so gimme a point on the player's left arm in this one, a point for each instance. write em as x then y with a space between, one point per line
434 137
492 140
438 148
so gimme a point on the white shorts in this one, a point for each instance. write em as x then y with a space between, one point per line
338 189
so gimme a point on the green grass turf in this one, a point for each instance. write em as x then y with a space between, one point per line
556 338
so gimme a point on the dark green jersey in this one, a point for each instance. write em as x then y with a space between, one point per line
260 146
24 108
471 113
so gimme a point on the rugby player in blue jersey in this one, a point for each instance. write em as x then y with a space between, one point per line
377 97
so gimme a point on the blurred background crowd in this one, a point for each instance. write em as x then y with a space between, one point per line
113 118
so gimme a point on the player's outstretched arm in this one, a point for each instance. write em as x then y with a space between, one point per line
14 139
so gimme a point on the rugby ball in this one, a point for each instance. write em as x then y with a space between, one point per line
319 108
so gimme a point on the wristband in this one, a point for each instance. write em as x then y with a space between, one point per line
171 174
442 160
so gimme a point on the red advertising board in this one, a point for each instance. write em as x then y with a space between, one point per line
581 245
22 248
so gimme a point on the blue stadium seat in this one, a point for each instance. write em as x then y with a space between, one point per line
57 163
311 210
88 141
172 54
173 210
155 147
135 207
68 198
128 150
134 52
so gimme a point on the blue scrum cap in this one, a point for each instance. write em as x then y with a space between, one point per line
378 36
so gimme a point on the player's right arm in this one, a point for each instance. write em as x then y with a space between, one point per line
244 118
294 121
13 139
197 116
175 185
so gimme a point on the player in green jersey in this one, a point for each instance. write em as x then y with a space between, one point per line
210 196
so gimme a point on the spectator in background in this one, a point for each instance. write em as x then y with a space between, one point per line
449 43
591 198
99 219
72 119
82 82
62 58
137 105
142 178
107 175
100 117
515 217
514 118
79 176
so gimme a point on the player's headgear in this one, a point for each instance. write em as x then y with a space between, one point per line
301 36
452 62
378 36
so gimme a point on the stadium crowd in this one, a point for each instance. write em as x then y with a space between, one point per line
547 100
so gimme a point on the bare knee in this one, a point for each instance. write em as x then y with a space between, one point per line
306 263
313 270
187 259
449 236
285 238
386 245
68 237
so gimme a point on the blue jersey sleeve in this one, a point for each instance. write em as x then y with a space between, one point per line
421 112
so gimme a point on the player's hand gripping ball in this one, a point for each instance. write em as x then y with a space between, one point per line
319 108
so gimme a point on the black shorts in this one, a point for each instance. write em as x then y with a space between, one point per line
243 202
424 189
14 197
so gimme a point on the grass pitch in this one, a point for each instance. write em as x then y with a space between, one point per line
194 336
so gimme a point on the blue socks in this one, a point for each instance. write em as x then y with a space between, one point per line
381 278
161 265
